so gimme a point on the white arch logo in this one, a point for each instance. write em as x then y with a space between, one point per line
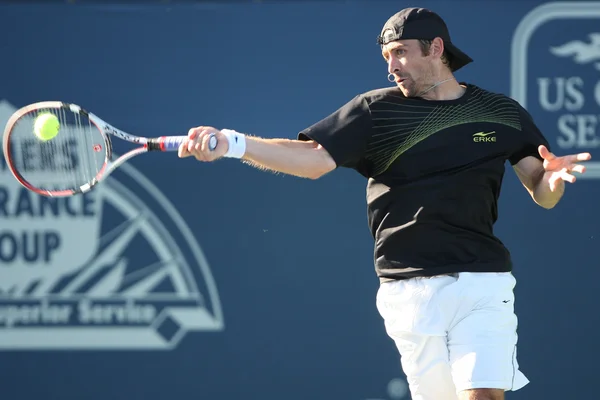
115 269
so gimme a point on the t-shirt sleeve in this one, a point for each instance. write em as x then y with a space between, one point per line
344 133
530 138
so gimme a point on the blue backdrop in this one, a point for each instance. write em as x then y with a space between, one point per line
261 286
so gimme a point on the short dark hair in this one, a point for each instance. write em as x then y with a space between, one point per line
425 46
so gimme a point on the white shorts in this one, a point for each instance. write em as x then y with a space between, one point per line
454 332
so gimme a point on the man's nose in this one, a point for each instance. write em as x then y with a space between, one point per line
393 66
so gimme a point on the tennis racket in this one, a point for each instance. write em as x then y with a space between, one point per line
76 159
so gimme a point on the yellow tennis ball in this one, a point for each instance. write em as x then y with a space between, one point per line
46 126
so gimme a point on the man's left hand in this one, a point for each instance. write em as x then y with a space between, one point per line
561 168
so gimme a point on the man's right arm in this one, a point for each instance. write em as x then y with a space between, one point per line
338 140
306 159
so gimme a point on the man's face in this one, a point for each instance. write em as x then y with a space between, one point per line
413 71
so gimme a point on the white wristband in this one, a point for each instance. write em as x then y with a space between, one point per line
237 143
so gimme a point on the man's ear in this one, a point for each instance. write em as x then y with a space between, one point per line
437 47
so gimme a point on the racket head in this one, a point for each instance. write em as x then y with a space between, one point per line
73 162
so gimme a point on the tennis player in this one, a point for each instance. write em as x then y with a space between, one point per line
433 151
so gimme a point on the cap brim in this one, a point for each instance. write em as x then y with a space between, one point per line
459 58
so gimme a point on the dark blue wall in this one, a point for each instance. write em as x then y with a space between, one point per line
283 266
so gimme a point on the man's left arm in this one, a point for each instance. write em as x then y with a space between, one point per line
545 179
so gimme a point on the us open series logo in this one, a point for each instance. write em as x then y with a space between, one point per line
555 75
115 269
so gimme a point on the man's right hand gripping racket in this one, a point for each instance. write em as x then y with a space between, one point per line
78 157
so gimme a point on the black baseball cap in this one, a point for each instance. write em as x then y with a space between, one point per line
420 23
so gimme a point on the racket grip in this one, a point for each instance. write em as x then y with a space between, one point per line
166 143
172 143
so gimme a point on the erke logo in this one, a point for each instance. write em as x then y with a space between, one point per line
485 137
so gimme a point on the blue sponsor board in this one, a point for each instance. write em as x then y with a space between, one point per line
180 280
556 74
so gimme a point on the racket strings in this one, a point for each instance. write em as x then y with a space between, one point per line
92 167
66 133
69 161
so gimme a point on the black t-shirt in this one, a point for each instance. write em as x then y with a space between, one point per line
446 157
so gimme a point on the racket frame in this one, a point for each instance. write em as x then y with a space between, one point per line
162 143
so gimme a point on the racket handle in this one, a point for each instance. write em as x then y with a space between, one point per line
172 143
166 143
